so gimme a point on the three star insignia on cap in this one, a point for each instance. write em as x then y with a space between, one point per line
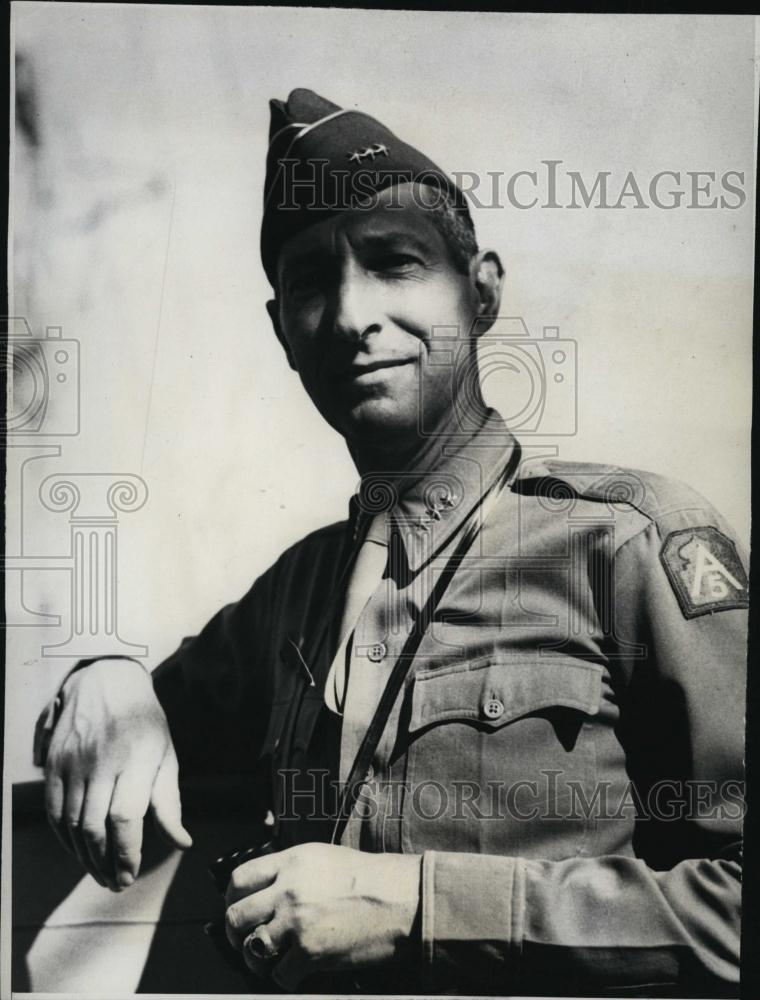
369 152
705 571
350 146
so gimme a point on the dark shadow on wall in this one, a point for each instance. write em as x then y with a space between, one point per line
181 959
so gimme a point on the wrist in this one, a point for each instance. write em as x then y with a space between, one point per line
401 877
413 865
48 719
93 661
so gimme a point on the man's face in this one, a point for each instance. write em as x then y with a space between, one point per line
358 297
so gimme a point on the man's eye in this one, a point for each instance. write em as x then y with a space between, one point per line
303 284
395 262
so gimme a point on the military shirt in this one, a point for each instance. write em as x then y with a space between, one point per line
566 751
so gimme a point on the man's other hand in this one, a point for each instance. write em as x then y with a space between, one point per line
325 907
110 759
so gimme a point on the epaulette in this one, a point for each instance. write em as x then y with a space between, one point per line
652 495
697 553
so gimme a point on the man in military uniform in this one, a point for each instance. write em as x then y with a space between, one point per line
528 674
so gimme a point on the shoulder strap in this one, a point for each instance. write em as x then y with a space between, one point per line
359 768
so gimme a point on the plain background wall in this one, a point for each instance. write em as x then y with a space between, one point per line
135 216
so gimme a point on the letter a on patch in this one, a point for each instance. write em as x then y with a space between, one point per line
705 571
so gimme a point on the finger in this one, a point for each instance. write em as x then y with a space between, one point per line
262 964
72 810
245 915
94 829
72 816
253 876
292 969
55 795
260 967
43 732
166 805
56 780
129 804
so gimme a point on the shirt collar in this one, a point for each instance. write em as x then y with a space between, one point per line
430 502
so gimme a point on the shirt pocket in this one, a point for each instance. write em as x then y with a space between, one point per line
500 757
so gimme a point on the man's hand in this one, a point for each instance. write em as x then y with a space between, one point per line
326 907
110 759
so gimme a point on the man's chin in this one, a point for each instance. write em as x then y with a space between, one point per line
378 423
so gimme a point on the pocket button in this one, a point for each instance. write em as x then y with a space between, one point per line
377 652
493 708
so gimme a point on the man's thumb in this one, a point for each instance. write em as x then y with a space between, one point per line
165 803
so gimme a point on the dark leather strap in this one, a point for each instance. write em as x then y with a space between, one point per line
373 735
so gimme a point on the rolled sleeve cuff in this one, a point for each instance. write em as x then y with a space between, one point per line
473 908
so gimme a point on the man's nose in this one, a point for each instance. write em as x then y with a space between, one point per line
357 311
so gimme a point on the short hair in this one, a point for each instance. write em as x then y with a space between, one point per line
455 225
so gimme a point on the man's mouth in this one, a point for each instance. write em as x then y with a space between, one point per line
360 369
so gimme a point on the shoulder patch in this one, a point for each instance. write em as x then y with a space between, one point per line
704 570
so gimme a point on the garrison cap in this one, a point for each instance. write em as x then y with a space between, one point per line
324 159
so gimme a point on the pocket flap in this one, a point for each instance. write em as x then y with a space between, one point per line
494 690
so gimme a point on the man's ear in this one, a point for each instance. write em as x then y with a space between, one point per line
274 315
488 281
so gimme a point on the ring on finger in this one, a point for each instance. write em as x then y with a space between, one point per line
259 944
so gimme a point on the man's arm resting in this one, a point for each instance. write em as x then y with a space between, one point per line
115 735
608 921
110 759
